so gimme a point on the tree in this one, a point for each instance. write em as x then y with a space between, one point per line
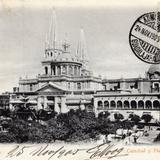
118 116
103 115
146 117
23 113
6 112
19 128
135 118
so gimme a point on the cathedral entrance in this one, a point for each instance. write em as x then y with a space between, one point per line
51 102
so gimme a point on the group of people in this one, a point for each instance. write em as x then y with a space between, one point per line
130 137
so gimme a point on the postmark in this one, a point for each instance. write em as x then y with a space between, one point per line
144 37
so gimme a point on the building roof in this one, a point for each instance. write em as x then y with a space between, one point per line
154 68
52 85
67 57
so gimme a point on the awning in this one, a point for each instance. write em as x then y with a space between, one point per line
16 102
32 102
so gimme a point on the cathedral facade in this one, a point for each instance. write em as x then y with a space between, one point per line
68 83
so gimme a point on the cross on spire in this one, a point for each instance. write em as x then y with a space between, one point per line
66 42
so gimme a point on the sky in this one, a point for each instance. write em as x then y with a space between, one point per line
24 24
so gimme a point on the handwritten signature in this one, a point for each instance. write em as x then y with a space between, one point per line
104 150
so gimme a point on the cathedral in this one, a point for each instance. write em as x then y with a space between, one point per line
68 83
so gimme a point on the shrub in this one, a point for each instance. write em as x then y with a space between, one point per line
7 137
19 128
135 118
146 117
118 116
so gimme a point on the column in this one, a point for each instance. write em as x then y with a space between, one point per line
45 102
49 70
129 104
72 70
75 70
56 70
64 108
67 69
39 100
56 107
95 107
61 69
122 104
79 71
141 86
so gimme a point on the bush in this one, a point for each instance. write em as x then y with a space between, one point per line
76 125
135 118
118 116
103 115
140 126
146 117
19 128
7 137
38 133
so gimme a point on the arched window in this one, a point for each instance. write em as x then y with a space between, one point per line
140 104
119 104
31 87
46 70
156 87
78 71
100 105
148 104
133 104
106 104
75 70
69 70
126 104
113 104
156 104
79 85
69 85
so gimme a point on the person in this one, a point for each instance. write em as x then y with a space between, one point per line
135 139
135 136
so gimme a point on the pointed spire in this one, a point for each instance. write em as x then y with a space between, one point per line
81 49
51 38
46 42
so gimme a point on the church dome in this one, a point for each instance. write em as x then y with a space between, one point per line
154 68
67 57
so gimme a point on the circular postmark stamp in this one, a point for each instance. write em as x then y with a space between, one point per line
144 37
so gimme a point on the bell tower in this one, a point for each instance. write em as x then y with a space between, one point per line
82 53
51 46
